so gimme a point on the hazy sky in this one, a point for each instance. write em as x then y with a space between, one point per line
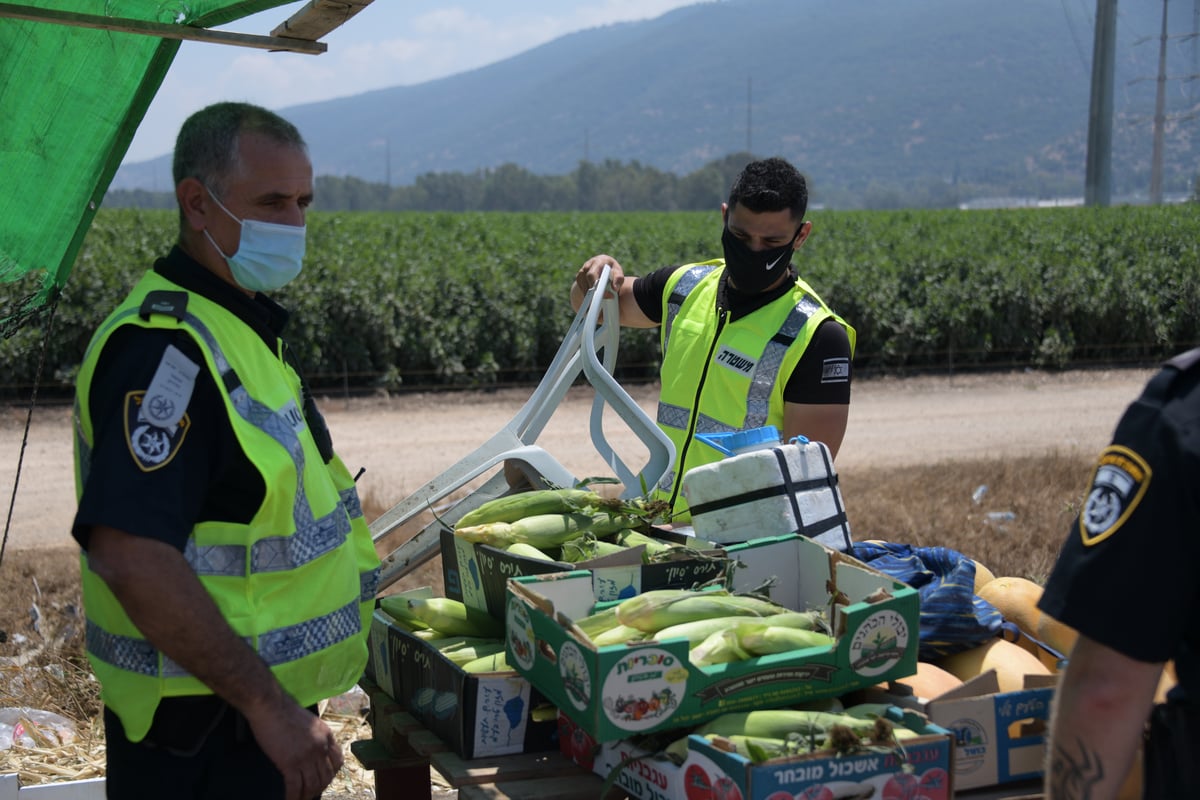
389 43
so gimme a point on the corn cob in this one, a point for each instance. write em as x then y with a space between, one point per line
513 507
758 748
545 530
527 550
721 647
780 723
698 630
445 644
652 614
584 549
803 620
598 622
761 640
492 663
465 655
454 618
396 607
618 635
654 548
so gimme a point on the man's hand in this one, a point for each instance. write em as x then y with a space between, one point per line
589 275
158 590
300 745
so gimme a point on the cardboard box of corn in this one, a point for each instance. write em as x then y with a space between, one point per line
822 750
445 663
796 621
559 530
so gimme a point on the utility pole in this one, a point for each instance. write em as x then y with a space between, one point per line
749 121
1098 181
1160 101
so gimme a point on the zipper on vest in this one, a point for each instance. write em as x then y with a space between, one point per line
694 416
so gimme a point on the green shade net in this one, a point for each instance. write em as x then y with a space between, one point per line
71 99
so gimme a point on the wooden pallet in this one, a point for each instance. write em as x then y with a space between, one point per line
402 751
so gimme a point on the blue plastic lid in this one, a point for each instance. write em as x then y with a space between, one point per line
734 442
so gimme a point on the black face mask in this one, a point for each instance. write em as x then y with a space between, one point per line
752 271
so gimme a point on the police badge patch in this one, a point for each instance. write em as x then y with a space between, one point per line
151 446
1121 479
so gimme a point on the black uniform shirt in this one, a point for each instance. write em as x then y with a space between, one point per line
206 476
822 376
1126 576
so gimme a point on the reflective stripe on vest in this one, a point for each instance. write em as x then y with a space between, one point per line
766 371
312 539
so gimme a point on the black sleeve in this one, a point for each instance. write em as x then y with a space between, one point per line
1126 575
143 480
648 291
822 376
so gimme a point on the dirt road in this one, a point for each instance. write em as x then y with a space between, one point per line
407 440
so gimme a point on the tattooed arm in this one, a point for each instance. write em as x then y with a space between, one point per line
1100 711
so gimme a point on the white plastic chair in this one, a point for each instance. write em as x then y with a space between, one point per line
579 352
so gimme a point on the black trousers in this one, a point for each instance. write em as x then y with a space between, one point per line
199 748
1172 769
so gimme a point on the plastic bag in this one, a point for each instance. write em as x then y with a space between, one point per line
31 727
953 618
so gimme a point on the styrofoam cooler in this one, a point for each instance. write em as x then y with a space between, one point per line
770 491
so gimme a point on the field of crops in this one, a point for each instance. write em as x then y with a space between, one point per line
421 300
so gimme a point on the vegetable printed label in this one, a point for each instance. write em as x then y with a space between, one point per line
879 643
520 634
643 689
576 677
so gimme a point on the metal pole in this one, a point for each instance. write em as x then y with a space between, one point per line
1160 99
1098 181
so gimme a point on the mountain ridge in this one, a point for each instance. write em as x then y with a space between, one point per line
856 94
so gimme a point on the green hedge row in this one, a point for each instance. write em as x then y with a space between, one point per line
480 299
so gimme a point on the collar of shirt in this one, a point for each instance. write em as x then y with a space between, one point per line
741 304
266 317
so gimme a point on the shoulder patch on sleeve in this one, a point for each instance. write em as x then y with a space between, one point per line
156 420
152 447
1120 481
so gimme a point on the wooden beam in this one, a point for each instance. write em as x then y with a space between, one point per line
318 18
160 30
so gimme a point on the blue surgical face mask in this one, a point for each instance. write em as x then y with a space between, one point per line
269 255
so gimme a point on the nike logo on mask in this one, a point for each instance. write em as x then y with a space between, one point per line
771 266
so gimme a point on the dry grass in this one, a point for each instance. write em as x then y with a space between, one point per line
924 506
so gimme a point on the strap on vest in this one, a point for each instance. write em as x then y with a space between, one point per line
164 301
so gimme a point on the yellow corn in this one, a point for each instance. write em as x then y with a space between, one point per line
493 663
465 655
618 635
545 530
654 547
447 643
653 613
513 507
761 640
780 723
718 648
804 620
584 549
598 622
527 550
698 630
454 618
396 607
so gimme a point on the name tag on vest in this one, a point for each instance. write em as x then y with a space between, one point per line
733 360
293 415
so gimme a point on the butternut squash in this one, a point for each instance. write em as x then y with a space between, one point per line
1010 662
930 681
983 575
1015 598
